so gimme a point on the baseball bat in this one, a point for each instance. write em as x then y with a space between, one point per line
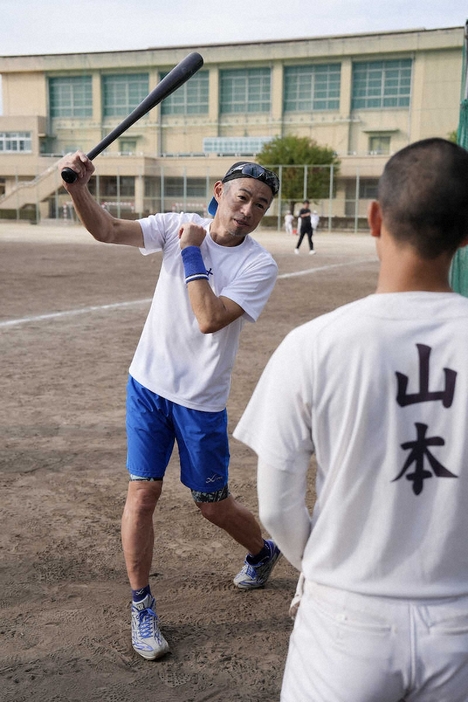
177 77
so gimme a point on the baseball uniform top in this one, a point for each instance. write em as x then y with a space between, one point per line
379 390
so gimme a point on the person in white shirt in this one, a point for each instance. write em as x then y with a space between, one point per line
288 222
379 392
213 278
314 221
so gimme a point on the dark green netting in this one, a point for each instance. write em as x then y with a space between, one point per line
462 135
459 272
459 269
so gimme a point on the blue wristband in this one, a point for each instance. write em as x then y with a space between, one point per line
194 267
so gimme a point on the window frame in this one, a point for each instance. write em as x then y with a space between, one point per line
382 139
120 104
382 84
80 96
21 139
312 93
238 87
195 187
192 98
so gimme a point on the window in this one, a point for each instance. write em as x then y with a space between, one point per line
234 145
122 93
71 96
152 188
367 191
308 88
245 90
112 186
127 146
13 142
174 187
379 145
368 188
378 84
190 99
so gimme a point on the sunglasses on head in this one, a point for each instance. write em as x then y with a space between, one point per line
253 170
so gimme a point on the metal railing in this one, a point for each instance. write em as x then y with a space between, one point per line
342 205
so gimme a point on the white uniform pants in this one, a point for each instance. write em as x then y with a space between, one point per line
353 648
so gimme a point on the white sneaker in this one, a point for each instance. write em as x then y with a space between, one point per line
254 576
296 251
311 253
147 639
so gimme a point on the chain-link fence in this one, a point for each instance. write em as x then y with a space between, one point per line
340 202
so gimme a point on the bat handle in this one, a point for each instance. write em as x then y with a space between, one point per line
69 175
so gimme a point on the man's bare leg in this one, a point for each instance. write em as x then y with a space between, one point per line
236 520
241 525
137 542
138 530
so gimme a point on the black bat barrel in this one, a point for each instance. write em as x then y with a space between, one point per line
179 75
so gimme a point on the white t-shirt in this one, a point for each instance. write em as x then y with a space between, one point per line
173 358
379 389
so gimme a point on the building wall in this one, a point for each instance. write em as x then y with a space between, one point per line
175 142
440 87
24 93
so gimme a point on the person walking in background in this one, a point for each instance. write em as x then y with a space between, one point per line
379 392
304 227
288 222
214 277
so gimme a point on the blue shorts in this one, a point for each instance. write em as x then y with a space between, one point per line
154 424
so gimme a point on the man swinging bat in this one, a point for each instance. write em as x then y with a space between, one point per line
214 277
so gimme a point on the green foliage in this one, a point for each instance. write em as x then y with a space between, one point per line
452 136
298 152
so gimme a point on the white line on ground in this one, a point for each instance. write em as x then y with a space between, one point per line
146 301
71 313
308 271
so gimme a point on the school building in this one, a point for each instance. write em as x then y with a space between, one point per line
364 95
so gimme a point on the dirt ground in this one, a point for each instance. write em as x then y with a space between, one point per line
70 317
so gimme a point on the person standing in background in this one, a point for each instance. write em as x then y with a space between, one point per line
288 222
305 227
314 220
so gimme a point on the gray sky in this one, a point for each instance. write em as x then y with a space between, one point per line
64 26
76 26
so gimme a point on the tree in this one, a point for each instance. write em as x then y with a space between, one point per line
298 152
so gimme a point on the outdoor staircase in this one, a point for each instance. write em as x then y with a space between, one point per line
33 191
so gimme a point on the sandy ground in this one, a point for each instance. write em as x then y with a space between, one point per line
70 317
